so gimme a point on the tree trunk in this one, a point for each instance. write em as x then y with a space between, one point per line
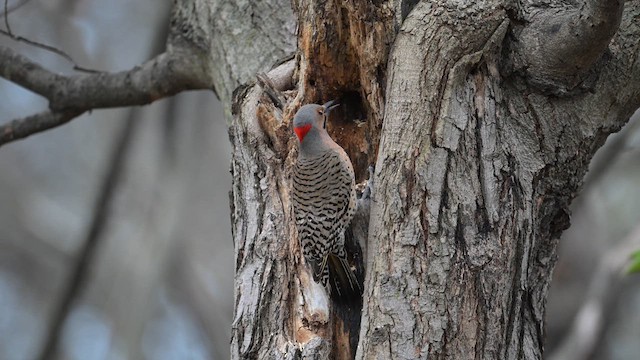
479 147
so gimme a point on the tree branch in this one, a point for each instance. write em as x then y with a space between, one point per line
22 128
30 75
559 45
69 96
165 75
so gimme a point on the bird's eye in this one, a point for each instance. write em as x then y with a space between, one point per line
320 111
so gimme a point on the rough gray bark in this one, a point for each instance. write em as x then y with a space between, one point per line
237 38
481 134
473 185
548 47
477 165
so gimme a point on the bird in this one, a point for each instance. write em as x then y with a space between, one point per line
324 200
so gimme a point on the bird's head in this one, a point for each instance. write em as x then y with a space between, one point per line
312 119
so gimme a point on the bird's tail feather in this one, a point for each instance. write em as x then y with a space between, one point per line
343 280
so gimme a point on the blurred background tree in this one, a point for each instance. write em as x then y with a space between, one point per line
593 256
160 282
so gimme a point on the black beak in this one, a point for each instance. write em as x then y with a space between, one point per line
327 108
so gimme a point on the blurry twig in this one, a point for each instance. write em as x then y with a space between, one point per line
9 9
6 15
81 270
50 48
583 336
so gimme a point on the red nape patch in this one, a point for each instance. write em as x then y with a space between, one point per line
302 131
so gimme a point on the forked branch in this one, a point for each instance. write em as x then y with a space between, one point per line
69 96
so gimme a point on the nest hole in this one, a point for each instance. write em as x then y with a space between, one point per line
347 126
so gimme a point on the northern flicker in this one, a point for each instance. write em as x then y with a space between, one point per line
324 199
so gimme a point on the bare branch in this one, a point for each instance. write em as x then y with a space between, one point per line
21 128
165 75
559 45
69 96
10 34
30 75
